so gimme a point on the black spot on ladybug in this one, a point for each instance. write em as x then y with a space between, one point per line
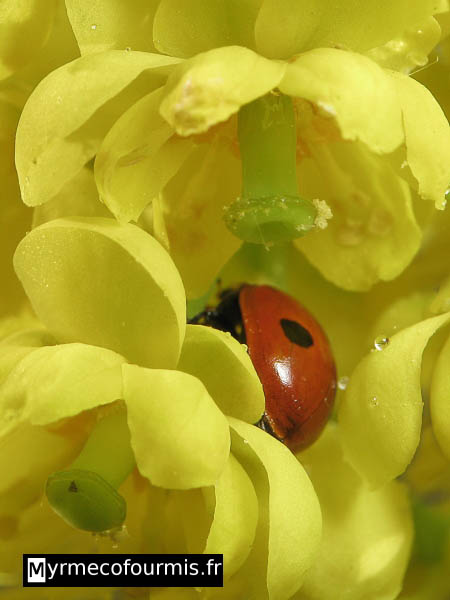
296 333
73 487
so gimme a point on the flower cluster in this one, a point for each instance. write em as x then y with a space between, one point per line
151 148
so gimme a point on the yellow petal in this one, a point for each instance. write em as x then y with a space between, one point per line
14 217
370 530
211 87
236 510
25 29
353 90
223 365
180 438
55 382
78 198
192 210
439 403
427 137
137 158
33 337
373 234
409 50
40 530
289 526
27 455
75 272
71 110
112 24
435 76
381 414
186 27
287 27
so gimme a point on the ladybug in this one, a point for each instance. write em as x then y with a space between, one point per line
291 355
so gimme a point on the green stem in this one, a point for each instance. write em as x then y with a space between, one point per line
270 209
85 494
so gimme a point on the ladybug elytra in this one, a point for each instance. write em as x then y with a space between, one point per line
291 355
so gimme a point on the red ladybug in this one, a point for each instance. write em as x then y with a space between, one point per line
291 355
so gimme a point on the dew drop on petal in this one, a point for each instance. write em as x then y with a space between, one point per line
373 401
343 382
381 342
93 26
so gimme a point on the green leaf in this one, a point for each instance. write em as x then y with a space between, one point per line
71 110
289 527
223 365
55 382
105 284
236 511
381 413
180 438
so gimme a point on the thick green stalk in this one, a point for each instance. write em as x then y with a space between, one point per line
270 209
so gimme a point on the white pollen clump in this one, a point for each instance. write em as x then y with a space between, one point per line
324 214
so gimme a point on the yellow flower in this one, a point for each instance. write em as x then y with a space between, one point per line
118 380
363 145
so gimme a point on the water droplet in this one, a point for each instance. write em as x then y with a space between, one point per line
93 26
381 342
343 382
58 99
245 441
447 194
128 49
374 401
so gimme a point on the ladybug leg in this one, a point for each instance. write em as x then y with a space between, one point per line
264 424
